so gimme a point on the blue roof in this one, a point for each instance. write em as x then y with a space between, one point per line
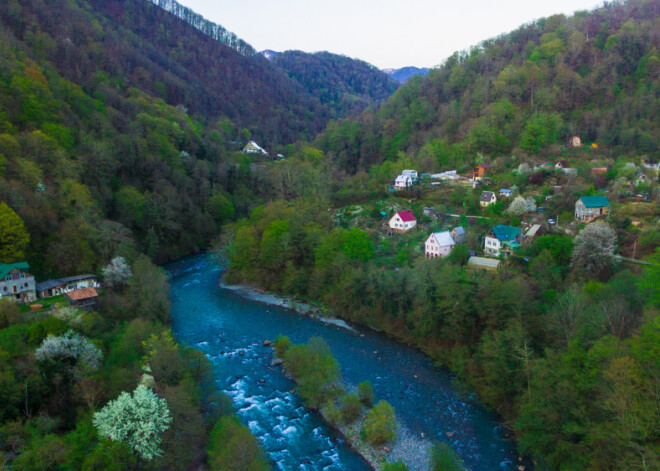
595 201
506 233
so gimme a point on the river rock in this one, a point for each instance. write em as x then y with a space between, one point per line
277 362
450 434
240 354
267 343
262 381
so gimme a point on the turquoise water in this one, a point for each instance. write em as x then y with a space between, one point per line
230 331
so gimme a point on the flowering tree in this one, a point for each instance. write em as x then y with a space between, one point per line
137 420
518 206
594 248
117 273
72 351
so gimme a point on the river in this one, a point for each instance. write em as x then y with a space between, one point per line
230 331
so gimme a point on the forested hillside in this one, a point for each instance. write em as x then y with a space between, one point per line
594 75
403 74
347 86
148 48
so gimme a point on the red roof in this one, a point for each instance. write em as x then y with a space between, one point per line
406 216
80 294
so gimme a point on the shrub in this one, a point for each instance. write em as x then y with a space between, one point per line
398 466
366 393
232 448
350 408
379 424
282 344
443 458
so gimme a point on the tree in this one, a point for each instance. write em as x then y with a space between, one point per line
14 237
366 393
379 424
518 206
443 458
75 353
357 245
137 420
117 273
594 249
232 448
220 207
350 408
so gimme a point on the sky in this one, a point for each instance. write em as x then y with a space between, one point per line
385 33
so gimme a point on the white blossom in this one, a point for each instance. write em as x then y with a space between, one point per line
594 247
137 420
117 273
73 350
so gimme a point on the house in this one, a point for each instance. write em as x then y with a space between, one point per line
575 142
253 148
439 244
479 172
487 198
410 173
484 263
458 233
561 165
402 182
502 239
598 171
506 193
60 286
16 284
85 298
641 178
588 208
403 221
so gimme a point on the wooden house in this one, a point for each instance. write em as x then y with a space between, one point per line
479 172
85 298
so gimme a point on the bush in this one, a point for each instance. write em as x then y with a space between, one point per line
350 408
443 458
379 424
398 466
282 344
366 393
331 413
232 448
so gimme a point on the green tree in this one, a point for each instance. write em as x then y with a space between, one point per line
366 393
231 447
357 245
14 237
443 458
220 207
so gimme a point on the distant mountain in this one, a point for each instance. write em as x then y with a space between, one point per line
345 85
268 54
196 20
403 74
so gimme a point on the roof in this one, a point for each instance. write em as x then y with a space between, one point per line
484 262
506 191
506 233
409 172
595 201
403 178
80 294
533 230
460 230
77 278
483 166
487 195
50 284
6 268
443 239
407 216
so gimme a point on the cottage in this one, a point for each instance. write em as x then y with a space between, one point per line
439 244
458 233
487 198
503 240
60 286
85 298
254 148
561 165
641 178
588 208
403 182
484 263
403 221
410 173
479 172
506 193
16 284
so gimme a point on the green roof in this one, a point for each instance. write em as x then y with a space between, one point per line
595 201
6 268
505 233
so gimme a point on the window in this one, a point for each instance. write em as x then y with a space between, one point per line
9 278
22 276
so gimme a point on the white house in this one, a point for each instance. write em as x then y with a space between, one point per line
439 244
487 198
502 239
402 182
410 173
588 208
403 221
50 288
16 284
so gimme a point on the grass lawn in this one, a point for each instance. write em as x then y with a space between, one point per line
46 303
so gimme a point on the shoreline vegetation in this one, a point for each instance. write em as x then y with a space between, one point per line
370 428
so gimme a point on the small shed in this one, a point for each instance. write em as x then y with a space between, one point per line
85 298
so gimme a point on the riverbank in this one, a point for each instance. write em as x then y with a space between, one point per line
256 294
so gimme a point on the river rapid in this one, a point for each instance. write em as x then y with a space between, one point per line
230 330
